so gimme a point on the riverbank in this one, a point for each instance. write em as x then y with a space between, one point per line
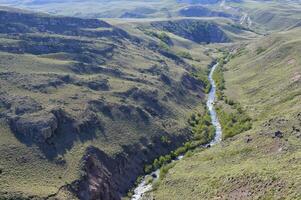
146 184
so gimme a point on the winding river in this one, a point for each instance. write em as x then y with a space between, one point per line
145 186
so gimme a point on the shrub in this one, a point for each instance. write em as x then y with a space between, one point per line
164 170
165 139
202 128
203 132
185 54
164 37
164 46
235 122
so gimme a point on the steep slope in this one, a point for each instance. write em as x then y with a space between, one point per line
264 162
195 30
80 115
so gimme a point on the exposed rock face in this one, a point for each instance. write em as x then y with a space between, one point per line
97 183
147 99
107 178
29 121
39 127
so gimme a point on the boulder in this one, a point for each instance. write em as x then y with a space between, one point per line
278 134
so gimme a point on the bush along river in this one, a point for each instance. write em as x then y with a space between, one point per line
145 185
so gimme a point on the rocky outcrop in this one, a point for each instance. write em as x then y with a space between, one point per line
38 126
44 45
107 178
147 99
120 111
97 182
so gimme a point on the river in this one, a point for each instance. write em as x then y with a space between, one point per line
144 185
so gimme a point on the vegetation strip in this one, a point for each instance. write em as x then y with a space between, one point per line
235 120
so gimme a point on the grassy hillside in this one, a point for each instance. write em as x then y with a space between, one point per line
188 35
266 16
262 16
98 9
86 104
74 103
264 162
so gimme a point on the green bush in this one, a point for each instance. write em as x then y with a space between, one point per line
164 37
165 139
164 46
218 77
202 128
161 36
235 122
185 54
203 132
164 170
148 169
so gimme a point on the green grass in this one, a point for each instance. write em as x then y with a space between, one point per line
231 172
202 127
29 170
186 55
253 164
262 76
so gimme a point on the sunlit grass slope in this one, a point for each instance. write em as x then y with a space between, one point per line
264 162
